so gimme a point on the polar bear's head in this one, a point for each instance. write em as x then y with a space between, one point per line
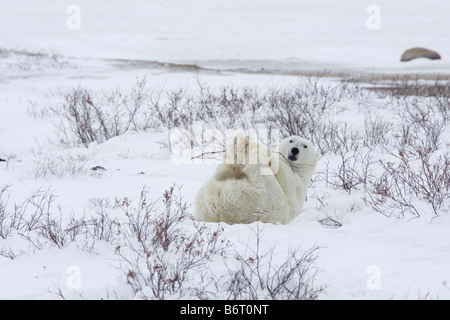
298 151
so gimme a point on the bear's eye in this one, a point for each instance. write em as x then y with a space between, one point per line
305 147
290 141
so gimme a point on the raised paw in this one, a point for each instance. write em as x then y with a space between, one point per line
241 144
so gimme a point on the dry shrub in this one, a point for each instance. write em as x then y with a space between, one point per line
88 117
404 185
257 276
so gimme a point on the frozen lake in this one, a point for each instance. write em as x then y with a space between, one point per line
282 36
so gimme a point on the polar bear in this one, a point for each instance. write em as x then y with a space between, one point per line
255 184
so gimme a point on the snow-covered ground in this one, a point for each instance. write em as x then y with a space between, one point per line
369 257
291 35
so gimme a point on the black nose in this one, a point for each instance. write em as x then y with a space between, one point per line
295 151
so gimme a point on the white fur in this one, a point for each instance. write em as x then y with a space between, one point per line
254 184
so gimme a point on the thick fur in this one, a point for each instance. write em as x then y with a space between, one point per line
255 184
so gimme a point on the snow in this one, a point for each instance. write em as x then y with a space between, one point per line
284 37
304 35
